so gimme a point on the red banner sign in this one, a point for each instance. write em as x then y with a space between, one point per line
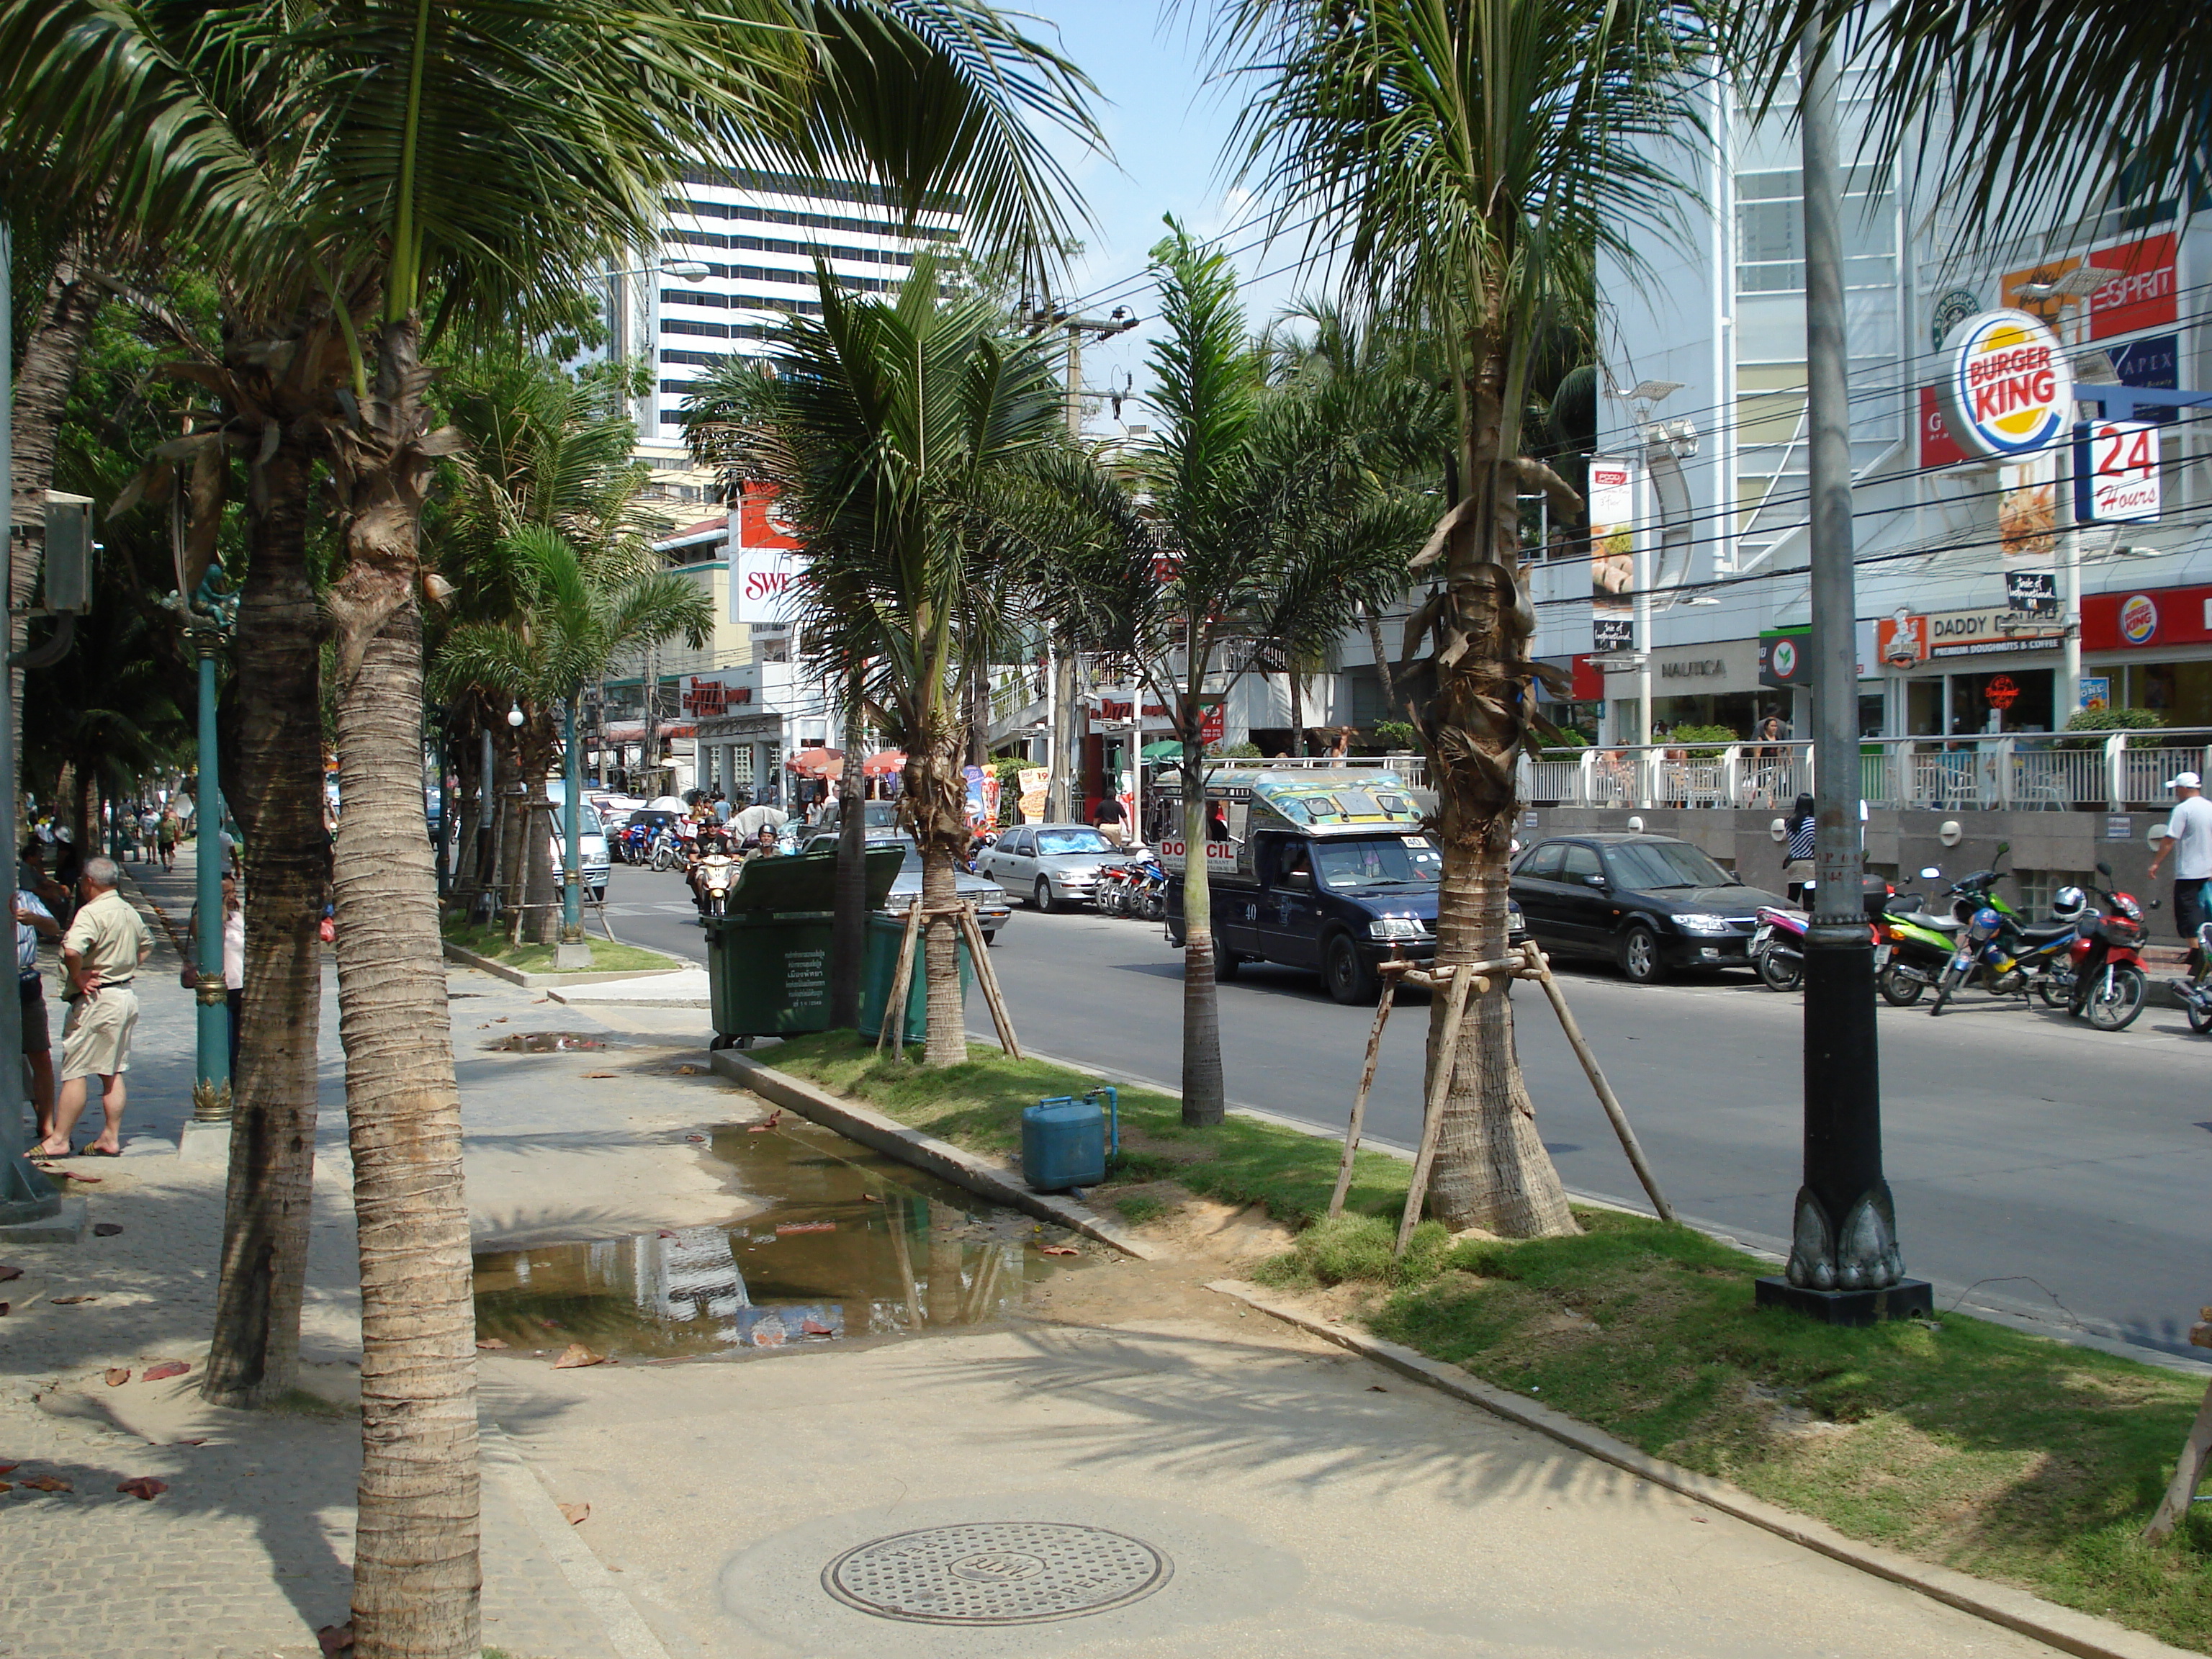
2147 619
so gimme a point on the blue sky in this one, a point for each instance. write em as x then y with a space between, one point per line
1167 126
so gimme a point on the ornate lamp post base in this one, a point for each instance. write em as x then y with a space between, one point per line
1902 1300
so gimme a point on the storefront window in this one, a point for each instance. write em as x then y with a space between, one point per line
2181 691
2019 699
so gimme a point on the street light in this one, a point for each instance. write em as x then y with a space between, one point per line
689 269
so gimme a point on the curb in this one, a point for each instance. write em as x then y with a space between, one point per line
551 982
985 1178
2079 1633
619 1621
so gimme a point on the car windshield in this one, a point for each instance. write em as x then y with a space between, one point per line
587 820
1384 861
1049 841
1649 864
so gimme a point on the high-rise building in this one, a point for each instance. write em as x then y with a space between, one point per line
756 238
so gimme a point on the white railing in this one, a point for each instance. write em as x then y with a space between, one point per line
1411 768
2088 771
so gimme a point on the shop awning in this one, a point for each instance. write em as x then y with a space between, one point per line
883 763
817 763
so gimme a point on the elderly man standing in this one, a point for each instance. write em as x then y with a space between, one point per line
100 955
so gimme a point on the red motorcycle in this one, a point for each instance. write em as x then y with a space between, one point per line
2103 976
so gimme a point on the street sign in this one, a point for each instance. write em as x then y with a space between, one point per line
2119 826
2116 471
2033 592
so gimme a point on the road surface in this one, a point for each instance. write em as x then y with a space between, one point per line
2049 1166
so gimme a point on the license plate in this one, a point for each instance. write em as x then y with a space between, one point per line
1880 958
1761 937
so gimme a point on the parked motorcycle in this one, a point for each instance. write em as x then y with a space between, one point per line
1920 940
1777 948
666 852
2012 954
2103 976
1112 895
2194 993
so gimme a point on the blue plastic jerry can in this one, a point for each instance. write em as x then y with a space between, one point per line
1064 1139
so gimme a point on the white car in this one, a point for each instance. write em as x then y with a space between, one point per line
1050 865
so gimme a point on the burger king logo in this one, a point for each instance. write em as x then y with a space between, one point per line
2138 619
2008 390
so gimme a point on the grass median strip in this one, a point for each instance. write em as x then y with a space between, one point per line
1967 1444
606 958
979 1106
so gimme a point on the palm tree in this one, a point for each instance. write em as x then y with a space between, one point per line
352 167
895 431
1472 156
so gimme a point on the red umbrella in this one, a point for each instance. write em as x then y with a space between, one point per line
883 763
819 762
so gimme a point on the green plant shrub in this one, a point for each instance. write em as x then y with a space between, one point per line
1236 752
1396 737
1686 736
2129 720
1358 1247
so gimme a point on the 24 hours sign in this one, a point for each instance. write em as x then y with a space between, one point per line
2115 471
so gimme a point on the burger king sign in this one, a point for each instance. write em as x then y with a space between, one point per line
2008 390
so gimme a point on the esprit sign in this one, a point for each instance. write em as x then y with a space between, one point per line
2006 391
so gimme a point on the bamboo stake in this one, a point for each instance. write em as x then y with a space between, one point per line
1540 971
987 976
2181 1491
902 1258
1359 1100
1432 1116
893 1031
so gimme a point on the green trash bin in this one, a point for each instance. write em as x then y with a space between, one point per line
767 959
884 935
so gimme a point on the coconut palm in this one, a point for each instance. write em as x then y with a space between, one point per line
893 430
1468 159
374 169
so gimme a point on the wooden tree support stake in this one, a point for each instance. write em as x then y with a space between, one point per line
893 1032
987 976
2173 1508
1540 969
1460 981
1359 1100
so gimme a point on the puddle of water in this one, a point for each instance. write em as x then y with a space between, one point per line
850 1245
545 1043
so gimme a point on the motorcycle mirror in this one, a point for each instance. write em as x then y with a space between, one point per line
2104 869
2154 904
1930 872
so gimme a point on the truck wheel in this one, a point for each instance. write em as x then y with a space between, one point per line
1227 964
1349 979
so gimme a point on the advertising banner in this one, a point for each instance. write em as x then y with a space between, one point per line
761 585
1783 659
2116 471
1613 493
1901 640
1035 780
2027 512
2006 391
2141 293
2147 618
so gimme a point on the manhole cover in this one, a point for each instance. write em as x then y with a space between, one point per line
996 1572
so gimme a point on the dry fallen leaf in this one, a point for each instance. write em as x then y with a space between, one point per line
9 1468
489 1342
6 1486
870 1197
694 1137
576 1514
501 1020
815 1327
1376 1387
590 1074
106 1229
577 1354
8 1270
118 1375
71 1301
49 1483
687 1071
336 1638
167 1368
1057 1249
774 1118
145 1486
89 1180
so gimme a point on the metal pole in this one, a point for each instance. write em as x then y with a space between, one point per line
572 819
25 1195
211 1089
1845 1265
2069 591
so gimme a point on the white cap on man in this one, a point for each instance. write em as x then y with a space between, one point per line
2185 780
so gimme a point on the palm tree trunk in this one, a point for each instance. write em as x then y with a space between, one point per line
468 871
542 912
1382 664
417 1571
848 918
1298 712
276 792
506 770
1204 1093
932 777
1492 1169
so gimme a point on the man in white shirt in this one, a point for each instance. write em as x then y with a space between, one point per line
2188 842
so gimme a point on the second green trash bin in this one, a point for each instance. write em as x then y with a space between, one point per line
767 960
884 935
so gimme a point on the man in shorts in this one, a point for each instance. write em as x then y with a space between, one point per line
100 955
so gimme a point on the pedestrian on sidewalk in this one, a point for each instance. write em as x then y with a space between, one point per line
1802 829
31 872
234 959
2189 839
165 837
33 922
100 955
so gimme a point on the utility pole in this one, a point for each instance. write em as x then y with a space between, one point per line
1059 786
652 713
1845 1267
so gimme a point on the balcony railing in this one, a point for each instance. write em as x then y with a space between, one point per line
2098 772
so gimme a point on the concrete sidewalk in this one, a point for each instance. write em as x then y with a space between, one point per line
1227 1484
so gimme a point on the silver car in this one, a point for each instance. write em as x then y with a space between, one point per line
1050 865
991 911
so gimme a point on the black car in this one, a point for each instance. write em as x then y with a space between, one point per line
1650 903
1339 901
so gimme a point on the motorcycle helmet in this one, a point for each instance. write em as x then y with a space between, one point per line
2067 903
